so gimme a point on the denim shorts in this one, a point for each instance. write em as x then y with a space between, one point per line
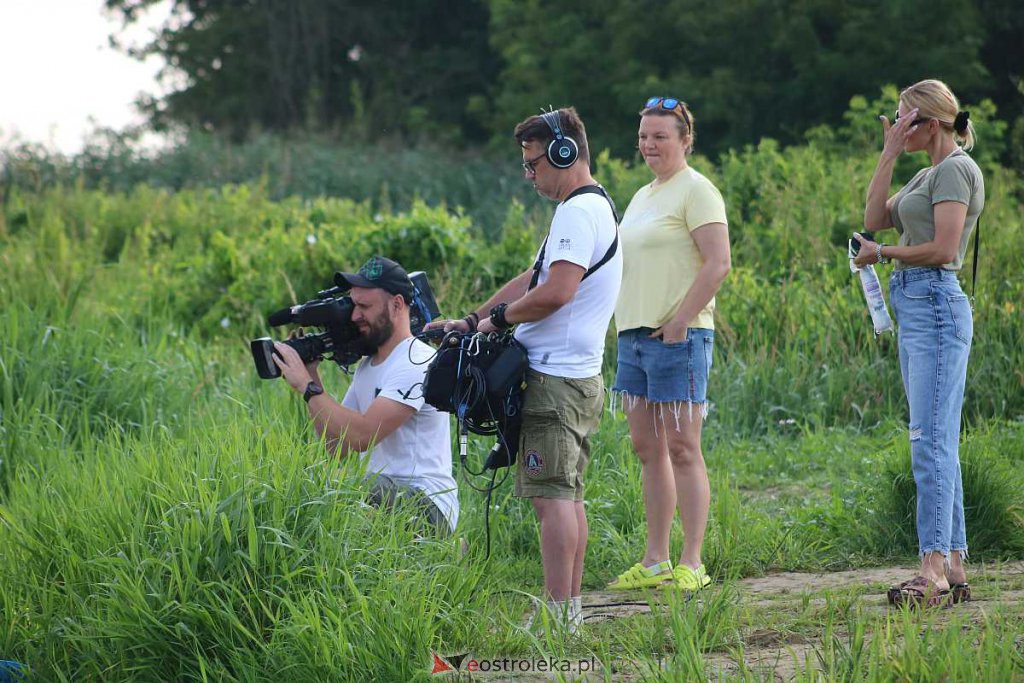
665 373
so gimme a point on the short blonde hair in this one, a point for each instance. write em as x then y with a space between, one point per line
934 99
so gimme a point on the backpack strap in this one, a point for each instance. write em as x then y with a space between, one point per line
586 189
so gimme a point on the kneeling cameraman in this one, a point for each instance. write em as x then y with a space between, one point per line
383 412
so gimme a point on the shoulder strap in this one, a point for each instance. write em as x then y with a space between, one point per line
974 266
595 189
586 189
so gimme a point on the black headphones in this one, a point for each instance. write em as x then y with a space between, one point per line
562 152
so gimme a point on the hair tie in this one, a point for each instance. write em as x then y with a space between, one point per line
960 122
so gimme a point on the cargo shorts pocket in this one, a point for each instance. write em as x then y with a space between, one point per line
587 387
542 448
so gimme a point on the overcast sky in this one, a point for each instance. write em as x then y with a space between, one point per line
57 70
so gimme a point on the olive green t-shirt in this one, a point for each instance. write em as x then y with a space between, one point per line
956 178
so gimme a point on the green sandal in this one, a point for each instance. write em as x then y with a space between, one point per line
639 577
689 579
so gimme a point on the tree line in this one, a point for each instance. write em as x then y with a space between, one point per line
464 71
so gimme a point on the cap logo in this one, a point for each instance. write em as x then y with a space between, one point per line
372 269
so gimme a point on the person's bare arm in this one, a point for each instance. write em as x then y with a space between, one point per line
878 205
713 243
349 431
949 217
512 290
557 290
346 430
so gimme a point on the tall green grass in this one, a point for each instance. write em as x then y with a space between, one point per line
223 545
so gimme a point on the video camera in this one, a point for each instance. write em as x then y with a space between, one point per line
331 311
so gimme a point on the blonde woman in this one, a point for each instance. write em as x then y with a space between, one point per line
675 244
934 215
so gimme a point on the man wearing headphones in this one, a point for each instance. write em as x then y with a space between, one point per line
561 308
383 414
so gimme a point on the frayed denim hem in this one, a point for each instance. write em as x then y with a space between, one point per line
945 555
928 551
629 401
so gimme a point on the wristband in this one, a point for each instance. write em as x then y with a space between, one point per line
498 317
878 253
472 320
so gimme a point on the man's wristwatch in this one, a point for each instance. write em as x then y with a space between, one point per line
312 389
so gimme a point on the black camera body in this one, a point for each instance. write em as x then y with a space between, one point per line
340 340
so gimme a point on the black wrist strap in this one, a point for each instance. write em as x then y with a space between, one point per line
586 189
498 317
312 389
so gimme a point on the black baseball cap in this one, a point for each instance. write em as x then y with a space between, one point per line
379 272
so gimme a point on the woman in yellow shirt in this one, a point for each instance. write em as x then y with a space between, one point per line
675 244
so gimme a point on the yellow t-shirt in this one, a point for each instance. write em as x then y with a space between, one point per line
660 258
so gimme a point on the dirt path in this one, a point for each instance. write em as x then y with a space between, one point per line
781 652
778 616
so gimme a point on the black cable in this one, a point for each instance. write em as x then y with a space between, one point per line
624 603
487 515
424 337
469 391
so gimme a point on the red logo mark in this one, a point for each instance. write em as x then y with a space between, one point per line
440 666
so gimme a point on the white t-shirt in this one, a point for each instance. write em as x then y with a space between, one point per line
419 452
570 341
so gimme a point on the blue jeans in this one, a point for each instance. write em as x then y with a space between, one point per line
935 331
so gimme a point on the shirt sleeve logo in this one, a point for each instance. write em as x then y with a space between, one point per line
564 244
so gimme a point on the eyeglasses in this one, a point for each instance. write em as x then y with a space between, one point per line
672 104
916 122
530 165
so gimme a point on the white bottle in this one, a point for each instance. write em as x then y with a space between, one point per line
873 294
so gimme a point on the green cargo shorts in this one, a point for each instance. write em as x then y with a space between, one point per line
559 416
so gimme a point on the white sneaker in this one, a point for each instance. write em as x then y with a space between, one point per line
576 618
560 614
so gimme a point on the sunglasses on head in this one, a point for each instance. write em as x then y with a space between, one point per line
672 104
916 122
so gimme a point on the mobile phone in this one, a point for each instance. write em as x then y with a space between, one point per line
853 246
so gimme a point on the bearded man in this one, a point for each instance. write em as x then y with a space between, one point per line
383 417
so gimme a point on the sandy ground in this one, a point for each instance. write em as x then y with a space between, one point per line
780 654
